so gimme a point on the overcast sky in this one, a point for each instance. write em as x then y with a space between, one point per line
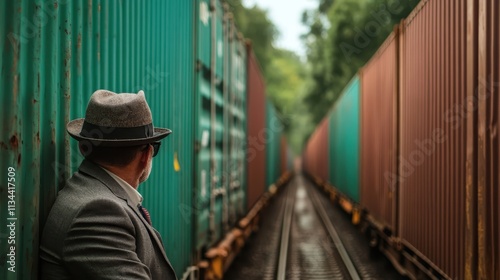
286 15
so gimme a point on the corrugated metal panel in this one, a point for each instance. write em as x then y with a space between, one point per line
317 159
488 140
256 143
220 129
379 133
321 150
169 189
344 141
274 128
236 77
433 134
54 55
469 111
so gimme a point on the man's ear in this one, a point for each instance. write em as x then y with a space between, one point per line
145 153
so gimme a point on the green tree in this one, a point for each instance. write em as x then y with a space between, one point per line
284 82
343 35
283 70
255 25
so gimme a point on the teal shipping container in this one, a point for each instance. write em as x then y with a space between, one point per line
344 141
55 54
274 131
220 127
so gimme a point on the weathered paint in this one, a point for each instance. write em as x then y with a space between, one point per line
379 132
256 125
432 193
448 136
221 124
237 122
344 142
471 156
272 135
488 140
54 55
317 158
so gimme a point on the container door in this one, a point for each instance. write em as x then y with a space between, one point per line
237 126
210 125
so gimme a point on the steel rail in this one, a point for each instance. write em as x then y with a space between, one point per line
285 236
334 236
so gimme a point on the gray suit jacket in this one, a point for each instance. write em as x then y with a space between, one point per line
93 232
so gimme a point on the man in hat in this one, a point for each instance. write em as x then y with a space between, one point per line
97 227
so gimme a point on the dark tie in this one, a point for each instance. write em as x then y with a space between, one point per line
145 214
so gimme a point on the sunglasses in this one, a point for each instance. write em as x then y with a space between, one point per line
156 147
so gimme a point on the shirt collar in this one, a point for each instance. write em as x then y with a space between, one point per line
132 193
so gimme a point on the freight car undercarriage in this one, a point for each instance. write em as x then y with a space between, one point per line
405 259
218 258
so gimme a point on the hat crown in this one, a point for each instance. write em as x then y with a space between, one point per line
113 119
109 109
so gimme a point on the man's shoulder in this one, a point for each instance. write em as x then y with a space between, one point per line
81 190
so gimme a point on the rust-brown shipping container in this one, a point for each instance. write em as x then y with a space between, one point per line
379 134
256 141
432 162
316 155
321 151
488 142
283 155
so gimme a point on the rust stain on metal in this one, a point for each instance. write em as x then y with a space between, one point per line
14 142
15 77
488 196
56 5
19 160
53 135
433 169
67 56
15 88
79 41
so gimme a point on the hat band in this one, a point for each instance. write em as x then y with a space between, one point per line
114 133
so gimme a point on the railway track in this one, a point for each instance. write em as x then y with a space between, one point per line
297 240
310 247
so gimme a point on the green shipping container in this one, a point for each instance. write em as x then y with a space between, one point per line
221 125
55 54
344 141
274 130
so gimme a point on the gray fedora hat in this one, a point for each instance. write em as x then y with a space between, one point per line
113 119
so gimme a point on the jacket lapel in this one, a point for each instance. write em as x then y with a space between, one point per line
97 172
151 230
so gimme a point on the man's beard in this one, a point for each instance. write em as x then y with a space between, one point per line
147 172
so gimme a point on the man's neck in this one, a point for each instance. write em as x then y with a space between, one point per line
126 173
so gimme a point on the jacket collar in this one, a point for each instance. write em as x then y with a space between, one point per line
98 173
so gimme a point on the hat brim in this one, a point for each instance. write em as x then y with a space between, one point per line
74 128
